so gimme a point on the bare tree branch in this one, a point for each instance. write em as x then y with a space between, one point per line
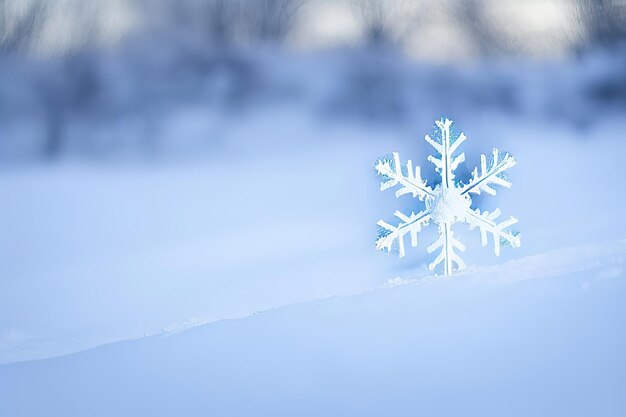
20 33
602 22
270 20
487 38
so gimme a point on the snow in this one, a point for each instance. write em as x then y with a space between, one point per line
112 238
515 339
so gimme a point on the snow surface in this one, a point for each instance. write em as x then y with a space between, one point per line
541 341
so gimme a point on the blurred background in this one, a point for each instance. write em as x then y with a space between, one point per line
169 163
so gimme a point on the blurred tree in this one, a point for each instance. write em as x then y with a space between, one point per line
482 30
270 20
224 22
375 22
221 20
18 30
380 25
71 88
603 22
87 30
603 25
69 82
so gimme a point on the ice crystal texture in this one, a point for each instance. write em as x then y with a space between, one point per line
448 202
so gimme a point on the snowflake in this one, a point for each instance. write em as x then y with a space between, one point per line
449 202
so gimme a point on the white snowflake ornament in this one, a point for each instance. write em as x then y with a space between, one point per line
448 203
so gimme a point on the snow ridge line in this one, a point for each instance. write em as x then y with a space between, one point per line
608 257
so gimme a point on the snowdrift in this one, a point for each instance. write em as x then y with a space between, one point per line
536 336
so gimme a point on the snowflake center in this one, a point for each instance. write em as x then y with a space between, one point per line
448 205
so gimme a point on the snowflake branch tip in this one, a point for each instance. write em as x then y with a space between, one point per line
446 143
389 235
490 174
447 257
486 223
409 178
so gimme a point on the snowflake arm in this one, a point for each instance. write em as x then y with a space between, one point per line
412 182
389 234
486 222
446 163
494 174
447 256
